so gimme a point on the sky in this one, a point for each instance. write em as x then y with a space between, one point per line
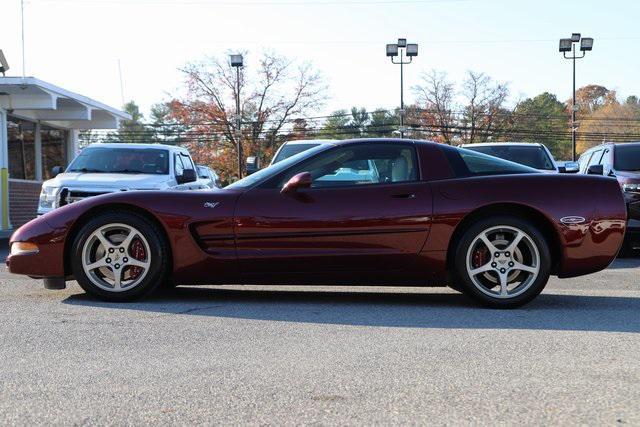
76 44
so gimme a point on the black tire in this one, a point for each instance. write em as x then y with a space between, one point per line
159 256
461 276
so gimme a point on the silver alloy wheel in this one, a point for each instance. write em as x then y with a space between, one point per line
503 261
108 261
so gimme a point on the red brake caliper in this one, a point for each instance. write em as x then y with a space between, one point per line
480 257
137 251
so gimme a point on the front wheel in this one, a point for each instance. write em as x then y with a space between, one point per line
502 262
119 257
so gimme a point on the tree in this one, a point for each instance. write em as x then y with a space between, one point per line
382 123
276 91
132 131
336 126
591 97
542 119
479 116
612 122
166 130
483 112
435 98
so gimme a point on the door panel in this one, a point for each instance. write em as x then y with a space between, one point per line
364 228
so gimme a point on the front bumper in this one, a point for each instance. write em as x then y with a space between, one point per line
49 260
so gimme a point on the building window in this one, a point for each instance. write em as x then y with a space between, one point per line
53 153
22 150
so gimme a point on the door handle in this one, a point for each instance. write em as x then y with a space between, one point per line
404 196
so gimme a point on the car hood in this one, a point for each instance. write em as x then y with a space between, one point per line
628 176
107 180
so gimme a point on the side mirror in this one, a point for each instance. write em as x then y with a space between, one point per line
251 165
571 167
595 170
301 180
56 170
189 175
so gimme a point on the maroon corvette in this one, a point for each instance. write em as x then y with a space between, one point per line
359 212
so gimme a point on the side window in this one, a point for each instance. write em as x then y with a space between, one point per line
360 164
605 158
186 162
583 160
179 166
595 159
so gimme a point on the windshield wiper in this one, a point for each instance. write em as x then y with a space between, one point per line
86 170
126 171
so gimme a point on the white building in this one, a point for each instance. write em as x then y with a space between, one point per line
39 125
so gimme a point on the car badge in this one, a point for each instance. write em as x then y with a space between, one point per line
211 204
572 220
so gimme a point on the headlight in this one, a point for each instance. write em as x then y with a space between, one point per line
49 197
23 248
632 188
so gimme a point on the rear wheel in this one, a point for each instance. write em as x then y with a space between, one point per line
119 257
502 262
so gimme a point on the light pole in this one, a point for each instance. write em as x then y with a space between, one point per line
569 45
236 62
410 50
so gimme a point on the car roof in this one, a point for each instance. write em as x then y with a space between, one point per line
502 144
310 141
142 146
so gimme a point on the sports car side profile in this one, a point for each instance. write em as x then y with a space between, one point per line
357 212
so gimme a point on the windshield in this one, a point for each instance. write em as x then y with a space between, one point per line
627 157
289 150
532 156
483 164
276 168
152 161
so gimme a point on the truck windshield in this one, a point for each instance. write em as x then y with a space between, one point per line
151 161
532 156
627 157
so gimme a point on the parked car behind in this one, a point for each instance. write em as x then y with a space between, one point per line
529 154
208 176
621 161
291 148
109 168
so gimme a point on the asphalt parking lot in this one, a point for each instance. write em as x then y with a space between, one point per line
295 355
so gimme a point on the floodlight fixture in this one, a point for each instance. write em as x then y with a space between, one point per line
4 65
402 42
586 44
565 45
412 49
392 50
575 37
236 60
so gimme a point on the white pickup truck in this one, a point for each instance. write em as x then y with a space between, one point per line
108 168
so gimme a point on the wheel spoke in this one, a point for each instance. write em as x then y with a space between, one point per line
481 269
488 244
117 277
516 241
136 263
503 284
522 267
106 244
127 241
97 264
